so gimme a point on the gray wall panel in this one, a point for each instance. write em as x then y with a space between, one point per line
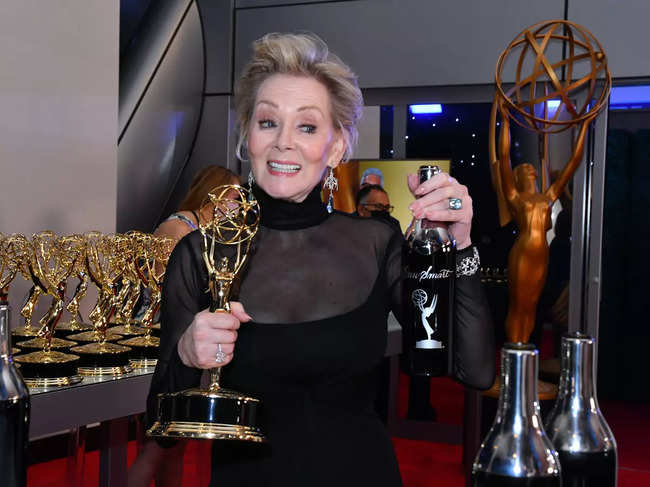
622 29
58 120
404 43
156 145
271 3
211 147
217 17
139 63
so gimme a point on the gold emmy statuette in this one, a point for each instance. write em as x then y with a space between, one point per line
217 413
526 103
150 263
105 260
129 292
52 262
24 263
104 299
76 324
11 249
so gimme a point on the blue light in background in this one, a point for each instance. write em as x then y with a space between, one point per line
425 109
634 96
553 104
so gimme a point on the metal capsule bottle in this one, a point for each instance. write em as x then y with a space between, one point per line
516 452
14 412
430 271
576 426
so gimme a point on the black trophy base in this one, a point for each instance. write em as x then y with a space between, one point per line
155 330
144 350
94 336
99 359
219 414
49 369
39 343
588 469
127 331
482 479
64 330
23 333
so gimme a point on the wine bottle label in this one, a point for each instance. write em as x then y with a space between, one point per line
429 274
428 318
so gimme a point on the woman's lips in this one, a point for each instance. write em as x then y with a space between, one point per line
283 168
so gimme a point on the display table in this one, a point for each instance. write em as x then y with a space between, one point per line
106 400
110 401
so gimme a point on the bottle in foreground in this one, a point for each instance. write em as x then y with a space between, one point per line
576 426
516 451
14 412
430 261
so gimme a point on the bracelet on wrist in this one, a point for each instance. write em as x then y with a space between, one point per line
467 265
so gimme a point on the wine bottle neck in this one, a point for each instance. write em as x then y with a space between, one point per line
518 402
578 379
5 332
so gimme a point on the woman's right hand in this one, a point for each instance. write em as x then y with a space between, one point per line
199 345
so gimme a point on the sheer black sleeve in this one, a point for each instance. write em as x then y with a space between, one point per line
183 296
474 347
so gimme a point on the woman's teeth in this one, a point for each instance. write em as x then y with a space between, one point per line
288 168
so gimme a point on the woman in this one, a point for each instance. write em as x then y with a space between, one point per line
309 327
167 464
190 214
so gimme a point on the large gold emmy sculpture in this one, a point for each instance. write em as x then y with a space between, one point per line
526 103
217 413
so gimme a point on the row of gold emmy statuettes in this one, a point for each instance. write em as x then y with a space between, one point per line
125 268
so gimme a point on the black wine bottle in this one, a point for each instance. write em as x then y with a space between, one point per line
430 261
14 412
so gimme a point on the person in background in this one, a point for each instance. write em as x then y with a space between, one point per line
190 214
371 176
154 462
373 201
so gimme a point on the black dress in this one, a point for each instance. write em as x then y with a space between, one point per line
319 288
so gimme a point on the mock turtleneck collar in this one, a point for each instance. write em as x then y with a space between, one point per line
286 215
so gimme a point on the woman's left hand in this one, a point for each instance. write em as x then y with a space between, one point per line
432 203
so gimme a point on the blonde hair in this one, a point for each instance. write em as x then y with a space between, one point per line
300 55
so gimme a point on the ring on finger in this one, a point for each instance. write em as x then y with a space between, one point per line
220 357
455 203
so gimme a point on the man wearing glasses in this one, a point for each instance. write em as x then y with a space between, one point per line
373 201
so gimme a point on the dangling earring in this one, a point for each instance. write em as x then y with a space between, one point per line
251 182
332 184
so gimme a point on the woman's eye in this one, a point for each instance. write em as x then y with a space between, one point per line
266 124
308 129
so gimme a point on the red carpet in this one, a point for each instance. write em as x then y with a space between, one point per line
422 463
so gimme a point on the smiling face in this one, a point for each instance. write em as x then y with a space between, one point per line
292 139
